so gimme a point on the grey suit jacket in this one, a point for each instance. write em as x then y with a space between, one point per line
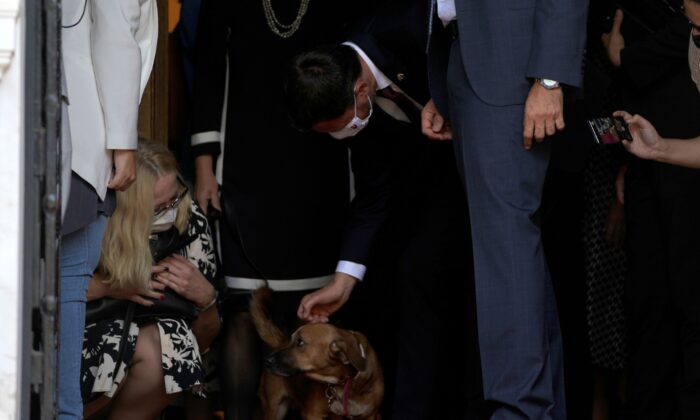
507 43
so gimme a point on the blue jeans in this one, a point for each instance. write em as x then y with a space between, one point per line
79 253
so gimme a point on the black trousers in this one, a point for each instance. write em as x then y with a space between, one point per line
561 216
663 291
416 303
438 365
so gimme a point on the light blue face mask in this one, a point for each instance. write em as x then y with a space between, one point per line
355 125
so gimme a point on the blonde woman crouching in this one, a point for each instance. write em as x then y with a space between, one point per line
161 356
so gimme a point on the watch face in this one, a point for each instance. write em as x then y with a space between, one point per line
549 84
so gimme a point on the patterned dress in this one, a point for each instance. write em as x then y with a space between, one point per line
181 360
605 265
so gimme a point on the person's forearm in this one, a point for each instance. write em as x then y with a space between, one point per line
680 152
96 289
117 60
206 327
204 164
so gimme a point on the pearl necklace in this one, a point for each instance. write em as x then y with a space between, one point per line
279 28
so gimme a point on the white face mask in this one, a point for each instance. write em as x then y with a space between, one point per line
164 222
355 125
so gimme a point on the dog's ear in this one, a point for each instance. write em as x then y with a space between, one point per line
350 351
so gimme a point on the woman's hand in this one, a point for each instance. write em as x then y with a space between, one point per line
206 188
646 144
182 277
613 41
97 289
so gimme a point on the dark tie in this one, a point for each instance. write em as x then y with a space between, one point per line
406 105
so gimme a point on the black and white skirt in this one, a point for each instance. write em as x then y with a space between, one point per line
181 360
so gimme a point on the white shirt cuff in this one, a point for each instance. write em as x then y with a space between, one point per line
351 269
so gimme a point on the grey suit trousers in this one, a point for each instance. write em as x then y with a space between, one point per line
518 326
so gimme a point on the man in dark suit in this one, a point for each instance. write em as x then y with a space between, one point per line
368 93
496 67
380 74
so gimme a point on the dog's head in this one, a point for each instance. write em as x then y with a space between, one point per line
321 352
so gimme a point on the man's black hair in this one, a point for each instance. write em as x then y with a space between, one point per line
319 84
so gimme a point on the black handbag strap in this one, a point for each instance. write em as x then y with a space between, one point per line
169 242
128 317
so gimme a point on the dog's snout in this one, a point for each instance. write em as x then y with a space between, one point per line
279 364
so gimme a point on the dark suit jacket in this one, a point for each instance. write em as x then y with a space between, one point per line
397 170
395 38
507 43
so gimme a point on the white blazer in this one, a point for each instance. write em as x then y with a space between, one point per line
108 57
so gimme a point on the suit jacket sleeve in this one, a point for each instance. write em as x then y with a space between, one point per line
559 36
662 52
117 62
370 206
209 78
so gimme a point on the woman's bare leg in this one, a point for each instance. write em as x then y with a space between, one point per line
601 409
96 406
143 395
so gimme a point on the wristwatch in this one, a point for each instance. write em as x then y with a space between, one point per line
548 84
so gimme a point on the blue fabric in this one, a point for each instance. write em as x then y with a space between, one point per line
79 254
518 327
507 43
187 33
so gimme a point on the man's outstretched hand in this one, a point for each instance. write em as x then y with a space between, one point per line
318 306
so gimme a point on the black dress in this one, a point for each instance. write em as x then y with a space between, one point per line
605 265
286 190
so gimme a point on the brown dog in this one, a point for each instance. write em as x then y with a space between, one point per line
325 371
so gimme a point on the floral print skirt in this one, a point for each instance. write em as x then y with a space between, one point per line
181 360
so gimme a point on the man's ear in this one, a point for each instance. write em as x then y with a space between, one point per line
350 352
361 88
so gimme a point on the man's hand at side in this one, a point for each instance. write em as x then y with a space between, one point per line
318 306
433 124
544 114
124 169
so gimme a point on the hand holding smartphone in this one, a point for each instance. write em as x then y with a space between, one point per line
609 130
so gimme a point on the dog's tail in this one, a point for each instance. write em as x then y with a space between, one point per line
267 330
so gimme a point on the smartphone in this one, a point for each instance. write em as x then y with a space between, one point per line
609 130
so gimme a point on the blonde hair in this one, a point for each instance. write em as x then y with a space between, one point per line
125 261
